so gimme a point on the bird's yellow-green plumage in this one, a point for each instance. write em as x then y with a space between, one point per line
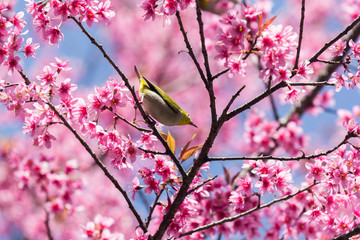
160 105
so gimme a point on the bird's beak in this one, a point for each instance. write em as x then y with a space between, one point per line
193 124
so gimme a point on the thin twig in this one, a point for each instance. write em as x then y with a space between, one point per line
330 61
301 30
273 105
201 184
152 152
251 49
254 101
324 83
202 40
26 79
128 122
47 225
190 50
230 219
210 87
226 109
152 208
220 74
100 164
298 158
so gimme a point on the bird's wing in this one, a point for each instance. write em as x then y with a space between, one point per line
173 105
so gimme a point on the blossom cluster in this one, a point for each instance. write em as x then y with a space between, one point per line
99 229
336 203
348 79
261 134
209 203
48 16
165 8
12 42
163 169
349 119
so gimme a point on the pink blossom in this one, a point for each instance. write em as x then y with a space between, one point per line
139 235
244 185
61 65
351 126
355 48
237 66
170 6
44 139
13 64
237 199
90 17
14 44
314 214
149 6
18 22
48 76
265 184
343 224
293 95
61 9
135 187
305 70
282 181
264 169
66 88
339 80
283 74
104 11
103 222
165 169
337 49
354 79
315 170
41 21
54 35
29 48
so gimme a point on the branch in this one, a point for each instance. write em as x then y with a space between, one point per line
152 152
254 101
232 100
100 164
273 105
201 184
202 40
324 83
152 208
132 91
303 156
128 122
301 30
209 88
230 219
47 225
325 74
340 35
190 50
349 234
26 79
219 74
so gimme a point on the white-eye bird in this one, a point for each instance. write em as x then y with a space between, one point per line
159 105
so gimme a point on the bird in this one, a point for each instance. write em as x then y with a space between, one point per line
159 105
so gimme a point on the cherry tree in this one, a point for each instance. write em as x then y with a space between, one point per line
272 86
